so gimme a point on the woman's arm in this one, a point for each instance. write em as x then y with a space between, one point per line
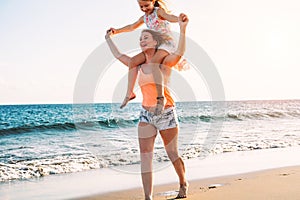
115 51
172 59
183 21
128 28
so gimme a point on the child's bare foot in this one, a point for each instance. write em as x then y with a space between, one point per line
183 189
127 99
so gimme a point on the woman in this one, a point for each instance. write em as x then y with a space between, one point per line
166 123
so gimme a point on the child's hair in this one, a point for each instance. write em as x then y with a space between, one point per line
160 3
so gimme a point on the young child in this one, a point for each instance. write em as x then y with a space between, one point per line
156 18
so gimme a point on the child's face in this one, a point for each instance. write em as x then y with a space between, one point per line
146 6
147 41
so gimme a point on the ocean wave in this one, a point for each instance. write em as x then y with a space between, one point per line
128 123
33 128
112 123
262 115
71 126
240 116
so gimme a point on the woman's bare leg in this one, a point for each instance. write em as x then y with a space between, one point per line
147 134
170 139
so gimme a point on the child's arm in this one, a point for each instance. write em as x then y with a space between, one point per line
115 51
172 59
128 28
169 17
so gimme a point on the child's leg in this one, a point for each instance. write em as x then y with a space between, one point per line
158 77
132 74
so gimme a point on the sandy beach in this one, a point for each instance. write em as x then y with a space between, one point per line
260 174
275 184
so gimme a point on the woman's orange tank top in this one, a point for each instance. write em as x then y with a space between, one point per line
149 92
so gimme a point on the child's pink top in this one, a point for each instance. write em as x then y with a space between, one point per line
153 22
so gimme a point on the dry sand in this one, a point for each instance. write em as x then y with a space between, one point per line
274 184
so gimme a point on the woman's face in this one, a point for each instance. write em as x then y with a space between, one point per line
147 41
146 6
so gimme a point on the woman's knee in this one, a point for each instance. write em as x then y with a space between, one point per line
146 162
173 155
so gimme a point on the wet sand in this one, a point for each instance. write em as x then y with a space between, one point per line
275 184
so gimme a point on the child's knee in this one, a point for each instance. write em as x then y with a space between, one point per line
136 61
159 56
133 63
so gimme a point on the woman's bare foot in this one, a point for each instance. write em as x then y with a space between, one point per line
183 189
127 99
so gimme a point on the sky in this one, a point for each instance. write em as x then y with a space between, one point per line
254 45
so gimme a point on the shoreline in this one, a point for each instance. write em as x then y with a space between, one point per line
100 182
275 184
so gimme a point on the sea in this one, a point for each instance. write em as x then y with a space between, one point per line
47 139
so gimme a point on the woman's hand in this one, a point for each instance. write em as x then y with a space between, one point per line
183 20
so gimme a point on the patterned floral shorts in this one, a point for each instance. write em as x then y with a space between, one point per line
168 119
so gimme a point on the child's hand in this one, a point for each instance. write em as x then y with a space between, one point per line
108 34
112 30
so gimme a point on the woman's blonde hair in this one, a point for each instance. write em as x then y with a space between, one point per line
160 38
